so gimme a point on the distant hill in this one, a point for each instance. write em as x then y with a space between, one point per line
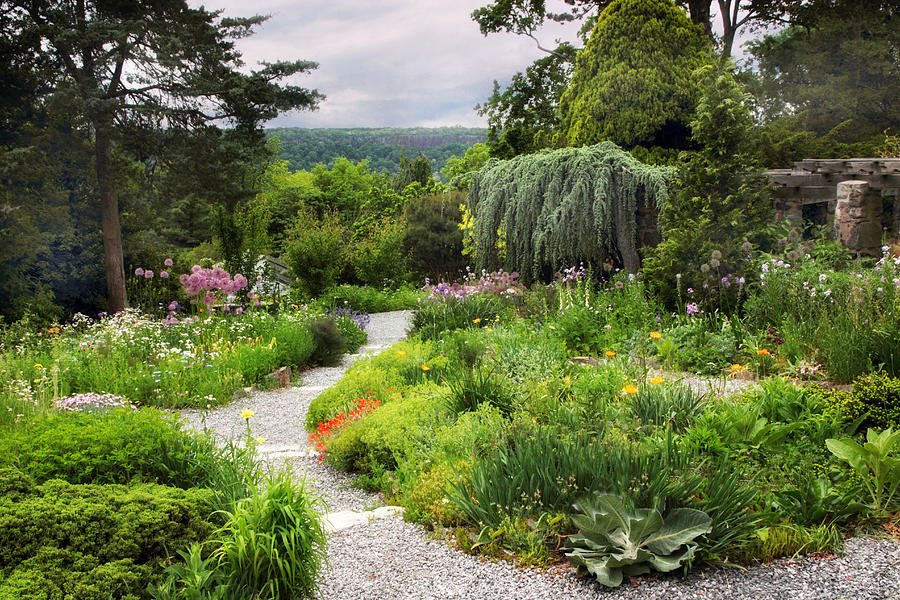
305 148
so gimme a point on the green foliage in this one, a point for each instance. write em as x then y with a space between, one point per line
667 406
469 388
369 299
814 501
433 237
354 337
413 171
877 396
382 148
829 87
458 170
613 541
789 539
315 251
196 579
632 81
330 344
727 498
98 541
545 469
561 207
121 446
378 257
874 463
272 545
721 205
524 117
439 315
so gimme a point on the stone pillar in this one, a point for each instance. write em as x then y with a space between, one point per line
857 217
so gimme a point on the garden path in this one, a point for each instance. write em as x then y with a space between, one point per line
375 555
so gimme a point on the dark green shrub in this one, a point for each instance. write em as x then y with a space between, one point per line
377 258
121 446
877 395
330 344
433 238
104 540
272 545
354 336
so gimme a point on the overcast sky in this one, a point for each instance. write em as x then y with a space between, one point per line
389 63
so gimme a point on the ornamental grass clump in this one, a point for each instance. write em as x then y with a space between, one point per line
272 545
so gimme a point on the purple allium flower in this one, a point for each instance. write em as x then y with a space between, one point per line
195 268
139 271
168 262
183 278
164 274
173 305
239 310
148 274
692 308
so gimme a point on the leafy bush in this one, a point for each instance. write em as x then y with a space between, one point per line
352 330
521 355
369 299
315 251
433 238
814 501
613 541
272 545
875 462
667 406
330 344
469 388
97 541
378 257
878 397
121 446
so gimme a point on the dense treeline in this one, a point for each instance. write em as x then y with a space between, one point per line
384 148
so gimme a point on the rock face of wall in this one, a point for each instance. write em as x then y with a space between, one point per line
857 217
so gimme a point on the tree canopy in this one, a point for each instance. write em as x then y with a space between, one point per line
557 208
121 66
632 81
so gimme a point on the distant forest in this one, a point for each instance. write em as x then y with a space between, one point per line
382 147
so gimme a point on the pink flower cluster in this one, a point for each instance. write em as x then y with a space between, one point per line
92 402
201 280
498 283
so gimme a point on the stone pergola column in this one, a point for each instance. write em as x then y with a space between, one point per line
857 217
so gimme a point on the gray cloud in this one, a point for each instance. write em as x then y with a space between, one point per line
396 63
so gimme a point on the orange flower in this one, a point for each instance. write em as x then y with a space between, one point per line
655 335
478 320
629 389
657 380
610 353
762 352
736 367
401 352
488 329
426 368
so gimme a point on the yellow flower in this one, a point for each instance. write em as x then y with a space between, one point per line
426 368
478 320
488 329
38 366
552 327
655 335
401 352
762 352
736 367
657 380
37 380
260 440
610 353
246 413
629 389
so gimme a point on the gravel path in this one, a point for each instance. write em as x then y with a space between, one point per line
390 559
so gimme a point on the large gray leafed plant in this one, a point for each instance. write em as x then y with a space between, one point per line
557 208
614 542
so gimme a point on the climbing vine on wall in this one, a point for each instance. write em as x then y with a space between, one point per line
559 207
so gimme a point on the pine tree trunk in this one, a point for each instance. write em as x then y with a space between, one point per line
112 229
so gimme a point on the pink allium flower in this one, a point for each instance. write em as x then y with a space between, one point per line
168 262
195 268
239 310
148 274
259 277
139 271
208 299
164 274
183 278
240 281
173 305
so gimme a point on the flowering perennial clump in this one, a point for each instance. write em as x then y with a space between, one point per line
210 281
92 402
326 429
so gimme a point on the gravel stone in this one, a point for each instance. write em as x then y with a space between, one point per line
391 559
